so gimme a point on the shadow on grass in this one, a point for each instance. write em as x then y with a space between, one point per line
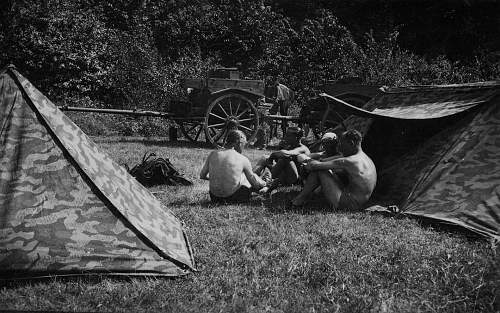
280 203
182 202
277 203
429 223
208 204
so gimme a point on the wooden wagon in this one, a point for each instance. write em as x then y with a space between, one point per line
223 100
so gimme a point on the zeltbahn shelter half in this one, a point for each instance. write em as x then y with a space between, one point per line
66 207
437 151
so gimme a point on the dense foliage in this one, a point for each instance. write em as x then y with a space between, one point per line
132 53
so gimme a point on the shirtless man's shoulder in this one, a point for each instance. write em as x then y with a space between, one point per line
367 162
360 162
244 160
231 156
362 171
304 149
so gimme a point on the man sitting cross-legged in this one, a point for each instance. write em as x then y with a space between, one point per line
358 169
329 149
283 163
230 173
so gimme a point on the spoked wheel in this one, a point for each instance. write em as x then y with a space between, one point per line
192 129
230 111
333 118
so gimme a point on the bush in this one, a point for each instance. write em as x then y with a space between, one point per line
385 63
60 46
133 54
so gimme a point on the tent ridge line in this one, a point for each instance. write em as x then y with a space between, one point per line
12 73
370 114
465 87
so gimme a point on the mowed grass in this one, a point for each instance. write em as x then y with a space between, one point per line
261 257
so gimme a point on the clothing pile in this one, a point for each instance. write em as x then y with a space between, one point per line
154 171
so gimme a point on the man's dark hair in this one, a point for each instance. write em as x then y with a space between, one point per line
234 137
353 136
297 131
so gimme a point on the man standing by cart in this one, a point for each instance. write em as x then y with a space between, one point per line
282 98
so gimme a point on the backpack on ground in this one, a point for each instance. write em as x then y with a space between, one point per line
154 171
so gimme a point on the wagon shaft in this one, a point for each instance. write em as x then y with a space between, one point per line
116 111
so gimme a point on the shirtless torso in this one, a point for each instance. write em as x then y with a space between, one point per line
346 182
361 176
227 171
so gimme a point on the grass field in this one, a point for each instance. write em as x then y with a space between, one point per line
261 257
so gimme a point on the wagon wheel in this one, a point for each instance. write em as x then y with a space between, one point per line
333 118
230 111
192 129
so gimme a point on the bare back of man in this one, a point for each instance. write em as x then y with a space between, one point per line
229 172
226 170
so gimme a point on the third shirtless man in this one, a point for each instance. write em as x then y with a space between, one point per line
357 169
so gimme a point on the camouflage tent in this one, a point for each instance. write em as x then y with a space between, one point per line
66 207
437 151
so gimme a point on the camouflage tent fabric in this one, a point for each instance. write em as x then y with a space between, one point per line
66 207
426 102
437 151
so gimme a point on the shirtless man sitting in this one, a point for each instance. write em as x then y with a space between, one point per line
329 149
358 168
230 173
283 163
